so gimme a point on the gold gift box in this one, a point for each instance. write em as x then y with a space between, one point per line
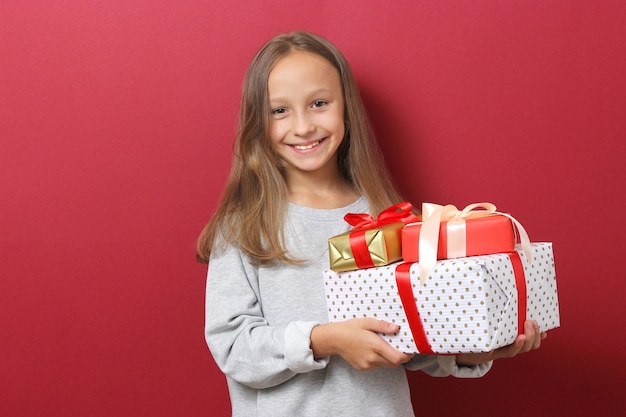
383 244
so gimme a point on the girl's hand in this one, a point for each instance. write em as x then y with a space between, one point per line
357 342
531 339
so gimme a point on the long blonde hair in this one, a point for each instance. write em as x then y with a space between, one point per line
252 208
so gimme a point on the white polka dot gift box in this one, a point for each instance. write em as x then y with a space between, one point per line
472 304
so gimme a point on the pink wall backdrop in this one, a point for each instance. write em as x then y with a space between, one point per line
116 127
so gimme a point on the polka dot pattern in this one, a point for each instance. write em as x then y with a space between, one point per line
466 304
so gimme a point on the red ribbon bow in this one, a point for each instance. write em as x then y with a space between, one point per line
400 212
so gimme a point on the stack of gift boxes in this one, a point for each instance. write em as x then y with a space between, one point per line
455 281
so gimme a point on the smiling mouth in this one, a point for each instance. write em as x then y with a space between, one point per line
307 147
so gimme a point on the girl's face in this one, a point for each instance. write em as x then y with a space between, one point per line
307 123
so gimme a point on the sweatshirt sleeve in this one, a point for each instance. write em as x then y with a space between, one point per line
435 365
243 344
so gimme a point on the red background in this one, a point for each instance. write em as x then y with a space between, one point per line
116 127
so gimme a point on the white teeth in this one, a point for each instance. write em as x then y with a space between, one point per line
307 147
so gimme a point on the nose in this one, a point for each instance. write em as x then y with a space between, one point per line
302 124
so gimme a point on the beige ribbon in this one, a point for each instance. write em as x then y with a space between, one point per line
434 214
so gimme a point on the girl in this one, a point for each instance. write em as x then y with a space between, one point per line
305 156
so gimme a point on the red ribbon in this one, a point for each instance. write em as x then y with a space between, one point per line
405 290
409 303
362 222
520 282
400 212
360 251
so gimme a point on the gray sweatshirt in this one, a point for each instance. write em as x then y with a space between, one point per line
258 327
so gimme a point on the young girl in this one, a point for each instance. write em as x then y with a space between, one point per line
305 156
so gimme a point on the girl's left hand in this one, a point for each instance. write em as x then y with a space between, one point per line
530 340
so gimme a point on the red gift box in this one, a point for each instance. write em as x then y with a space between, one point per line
484 235
447 232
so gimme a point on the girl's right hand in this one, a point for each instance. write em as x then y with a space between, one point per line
357 342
